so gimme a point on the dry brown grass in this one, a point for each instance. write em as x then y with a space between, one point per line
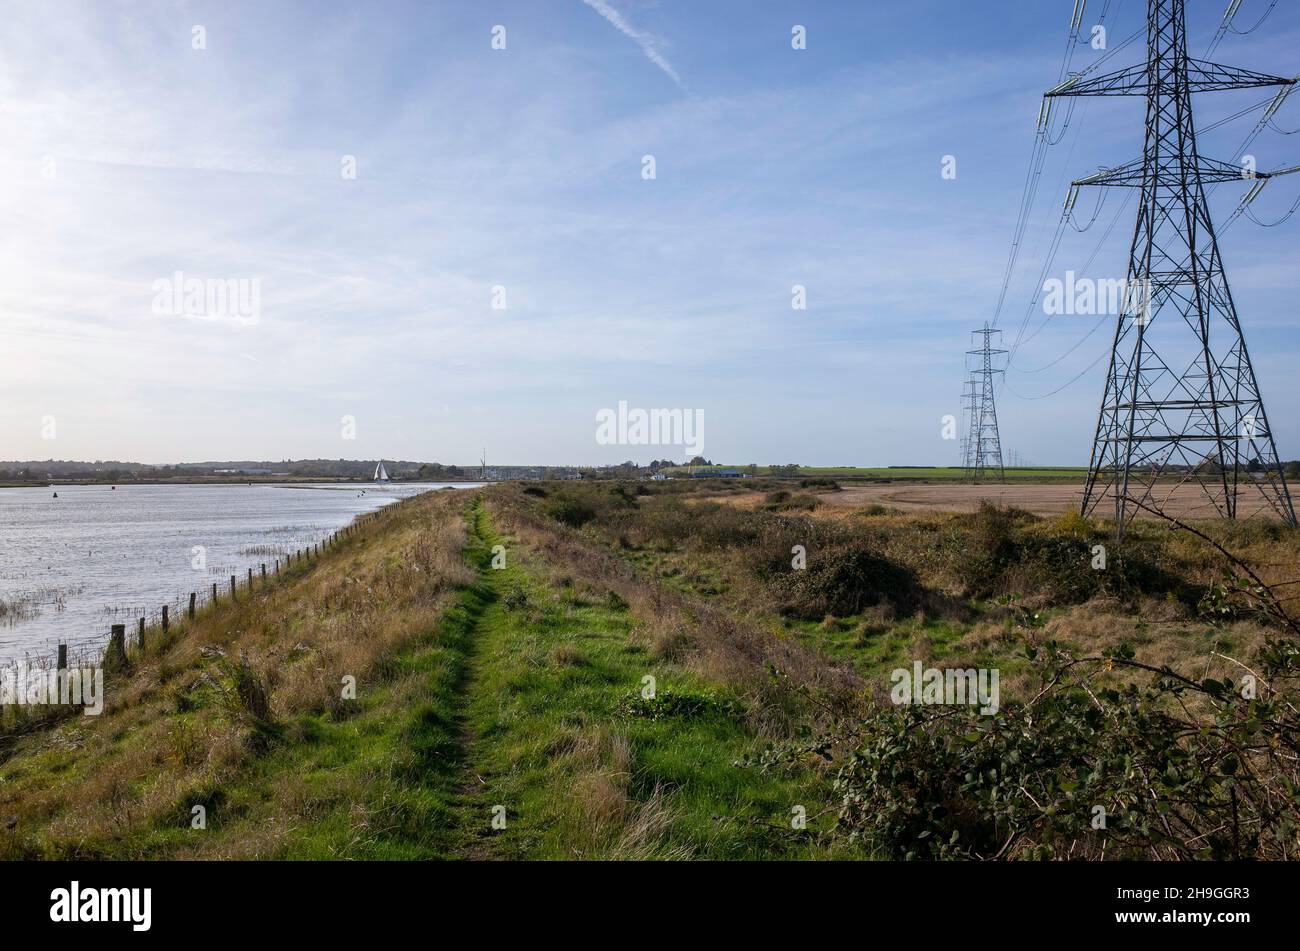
600 819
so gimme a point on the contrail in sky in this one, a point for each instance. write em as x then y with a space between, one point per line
648 42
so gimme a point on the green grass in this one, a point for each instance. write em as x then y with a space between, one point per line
376 777
560 739
380 783
522 692
401 747
877 649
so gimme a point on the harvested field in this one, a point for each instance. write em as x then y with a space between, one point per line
1184 501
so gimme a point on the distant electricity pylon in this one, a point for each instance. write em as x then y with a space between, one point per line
983 443
1181 396
970 406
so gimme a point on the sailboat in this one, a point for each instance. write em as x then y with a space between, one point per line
381 474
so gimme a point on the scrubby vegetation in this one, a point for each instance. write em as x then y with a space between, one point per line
1175 768
700 669
1149 687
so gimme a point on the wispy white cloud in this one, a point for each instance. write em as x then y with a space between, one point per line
648 42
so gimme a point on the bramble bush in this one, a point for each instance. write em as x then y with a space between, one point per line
1093 764
1081 771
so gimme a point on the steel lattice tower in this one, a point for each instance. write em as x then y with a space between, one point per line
983 444
970 404
1181 396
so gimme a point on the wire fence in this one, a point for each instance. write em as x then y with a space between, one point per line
144 626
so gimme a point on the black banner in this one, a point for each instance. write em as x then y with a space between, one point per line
212 900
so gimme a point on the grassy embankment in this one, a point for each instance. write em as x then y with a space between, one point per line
513 690
241 713
476 687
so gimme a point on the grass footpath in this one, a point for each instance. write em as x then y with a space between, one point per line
561 744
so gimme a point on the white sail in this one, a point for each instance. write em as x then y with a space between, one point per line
381 474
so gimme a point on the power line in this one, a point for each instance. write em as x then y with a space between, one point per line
1181 395
1042 141
1275 101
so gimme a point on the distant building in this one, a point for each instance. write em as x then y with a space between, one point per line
659 476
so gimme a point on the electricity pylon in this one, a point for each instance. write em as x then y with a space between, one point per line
1181 396
970 405
983 444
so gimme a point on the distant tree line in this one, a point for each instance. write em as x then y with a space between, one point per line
127 472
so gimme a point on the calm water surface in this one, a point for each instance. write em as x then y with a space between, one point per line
71 566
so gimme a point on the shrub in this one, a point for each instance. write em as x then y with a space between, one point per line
570 511
934 782
992 542
829 484
783 501
667 522
842 581
874 510
1008 551
1071 522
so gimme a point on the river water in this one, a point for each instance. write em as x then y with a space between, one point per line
95 556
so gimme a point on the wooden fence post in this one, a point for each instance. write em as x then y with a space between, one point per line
62 662
139 636
214 592
117 645
165 621
193 599
250 579
232 587
263 572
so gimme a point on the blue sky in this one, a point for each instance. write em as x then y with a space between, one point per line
127 155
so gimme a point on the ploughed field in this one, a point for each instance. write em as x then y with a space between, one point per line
1049 500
